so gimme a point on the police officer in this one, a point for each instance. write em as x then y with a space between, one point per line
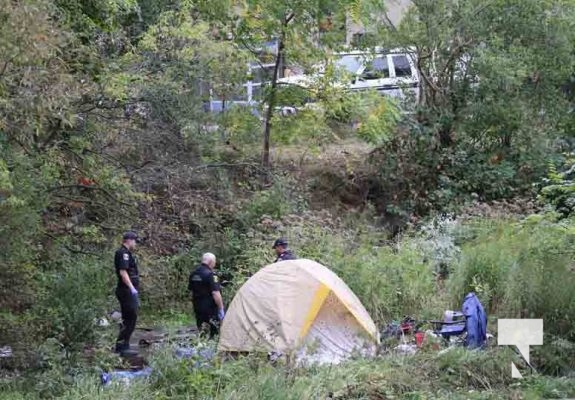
127 290
282 251
206 294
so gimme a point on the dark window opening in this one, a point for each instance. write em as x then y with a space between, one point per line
402 67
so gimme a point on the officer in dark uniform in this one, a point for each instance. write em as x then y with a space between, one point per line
282 251
205 288
127 290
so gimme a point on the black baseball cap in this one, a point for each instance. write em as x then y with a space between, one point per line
130 235
280 242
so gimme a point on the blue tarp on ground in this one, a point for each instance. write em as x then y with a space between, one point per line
203 356
476 324
202 359
124 376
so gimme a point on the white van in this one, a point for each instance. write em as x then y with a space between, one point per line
392 73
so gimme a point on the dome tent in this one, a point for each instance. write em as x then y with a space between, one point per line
298 307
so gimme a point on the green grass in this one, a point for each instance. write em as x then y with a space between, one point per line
456 374
169 319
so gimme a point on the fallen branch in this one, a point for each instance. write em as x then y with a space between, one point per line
96 188
225 165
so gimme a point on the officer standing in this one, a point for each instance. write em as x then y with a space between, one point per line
206 294
282 251
127 290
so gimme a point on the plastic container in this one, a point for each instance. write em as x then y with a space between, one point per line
419 336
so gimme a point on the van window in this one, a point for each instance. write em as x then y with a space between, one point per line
376 69
402 67
350 63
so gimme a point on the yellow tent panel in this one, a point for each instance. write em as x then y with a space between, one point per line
298 306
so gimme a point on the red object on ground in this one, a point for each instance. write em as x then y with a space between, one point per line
406 328
419 336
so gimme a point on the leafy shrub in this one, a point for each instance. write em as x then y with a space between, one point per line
412 173
75 296
177 378
239 126
166 288
379 116
281 199
437 241
556 357
559 187
292 96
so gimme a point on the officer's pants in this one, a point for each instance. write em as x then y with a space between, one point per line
210 318
129 309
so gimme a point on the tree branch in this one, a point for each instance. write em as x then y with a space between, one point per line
95 188
71 249
225 165
454 53
289 17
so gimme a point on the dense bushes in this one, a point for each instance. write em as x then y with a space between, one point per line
558 188
68 301
522 270
518 268
102 128
525 270
75 297
413 175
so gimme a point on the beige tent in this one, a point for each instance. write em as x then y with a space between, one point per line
298 307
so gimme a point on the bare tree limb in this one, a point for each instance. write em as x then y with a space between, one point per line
71 249
95 188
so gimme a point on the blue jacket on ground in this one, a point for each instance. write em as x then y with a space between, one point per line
476 324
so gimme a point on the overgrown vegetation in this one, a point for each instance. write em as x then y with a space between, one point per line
455 375
103 128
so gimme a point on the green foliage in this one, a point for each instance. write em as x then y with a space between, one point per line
185 377
378 115
453 375
281 199
90 16
390 283
524 271
493 99
76 296
308 126
559 187
240 127
293 26
293 95
101 110
412 174
19 223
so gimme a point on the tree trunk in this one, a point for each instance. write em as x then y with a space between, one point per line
271 105
272 96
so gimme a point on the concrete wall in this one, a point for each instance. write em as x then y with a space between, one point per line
395 11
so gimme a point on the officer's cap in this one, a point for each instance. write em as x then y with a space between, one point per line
280 242
130 235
